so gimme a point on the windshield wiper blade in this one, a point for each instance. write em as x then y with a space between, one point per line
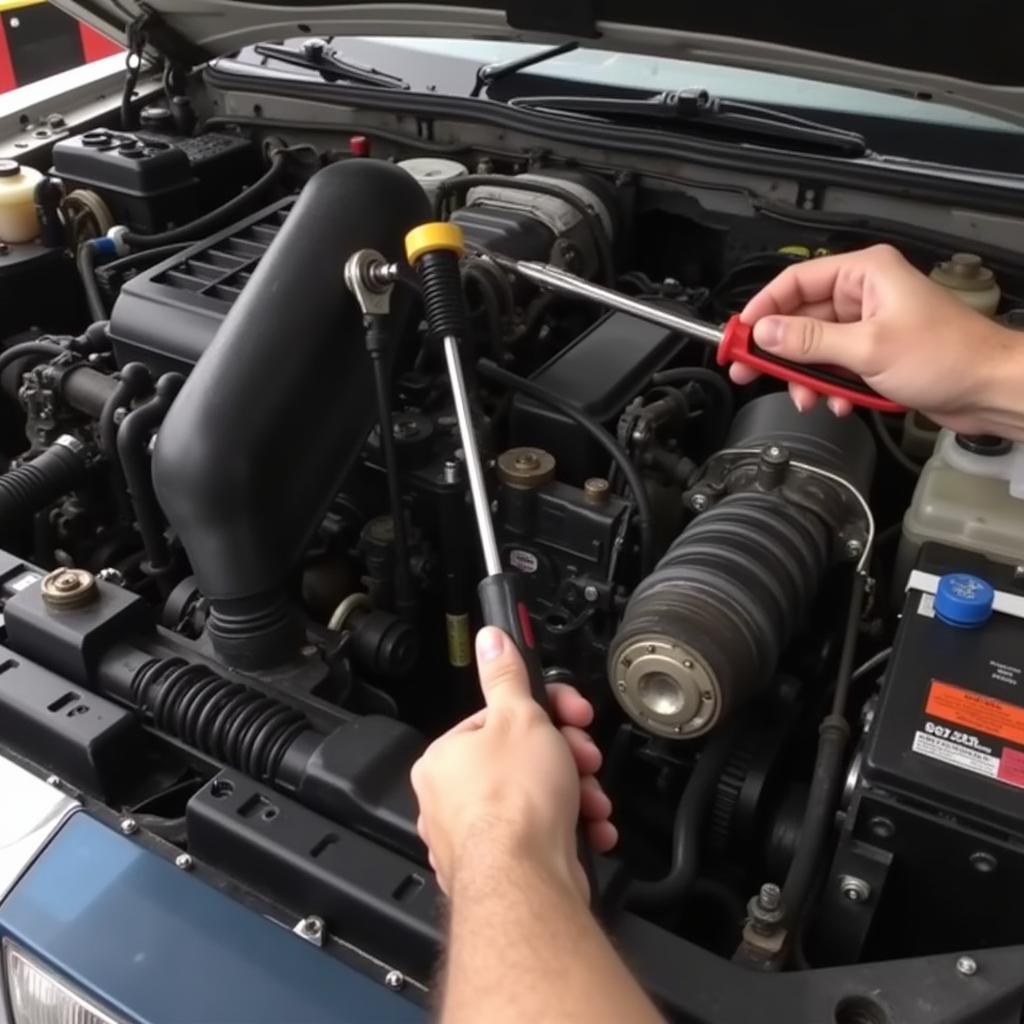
488 74
317 56
698 107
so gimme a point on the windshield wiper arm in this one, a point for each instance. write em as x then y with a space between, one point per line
488 74
317 56
698 107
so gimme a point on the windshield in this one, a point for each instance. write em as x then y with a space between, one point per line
900 127
657 74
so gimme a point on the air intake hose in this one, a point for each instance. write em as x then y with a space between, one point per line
273 416
705 630
31 487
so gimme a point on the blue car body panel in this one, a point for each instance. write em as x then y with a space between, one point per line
160 946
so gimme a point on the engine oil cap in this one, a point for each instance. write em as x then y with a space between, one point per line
964 600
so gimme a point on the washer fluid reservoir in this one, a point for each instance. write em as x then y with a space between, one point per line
18 219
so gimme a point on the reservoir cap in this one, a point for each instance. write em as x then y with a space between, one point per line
964 600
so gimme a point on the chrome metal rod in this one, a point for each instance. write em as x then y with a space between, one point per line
558 280
471 454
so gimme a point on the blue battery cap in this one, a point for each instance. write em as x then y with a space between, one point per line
964 600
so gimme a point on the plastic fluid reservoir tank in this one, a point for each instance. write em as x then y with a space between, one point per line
971 495
969 280
18 219
432 172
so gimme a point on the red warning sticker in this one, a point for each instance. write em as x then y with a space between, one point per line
975 711
1011 767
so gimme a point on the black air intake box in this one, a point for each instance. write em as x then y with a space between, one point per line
166 316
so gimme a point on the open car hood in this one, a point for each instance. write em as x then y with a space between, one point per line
969 58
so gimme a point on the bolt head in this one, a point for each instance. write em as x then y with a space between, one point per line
313 926
1018 572
119 415
590 593
183 861
966 966
698 502
394 980
856 890
52 780
854 547
129 826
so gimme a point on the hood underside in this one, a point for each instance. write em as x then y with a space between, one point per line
970 58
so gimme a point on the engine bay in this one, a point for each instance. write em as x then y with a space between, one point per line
219 626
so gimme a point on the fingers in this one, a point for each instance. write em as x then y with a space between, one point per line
595 804
568 706
583 749
602 835
503 677
799 285
806 340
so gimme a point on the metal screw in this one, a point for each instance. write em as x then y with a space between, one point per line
856 890
1018 573
590 593
119 414
129 826
394 980
52 780
770 896
984 863
698 502
183 861
966 966
854 547
451 471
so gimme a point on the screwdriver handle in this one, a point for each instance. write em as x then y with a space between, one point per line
737 346
503 606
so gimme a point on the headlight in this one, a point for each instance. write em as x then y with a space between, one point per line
37 996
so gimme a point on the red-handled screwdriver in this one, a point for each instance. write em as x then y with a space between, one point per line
734 341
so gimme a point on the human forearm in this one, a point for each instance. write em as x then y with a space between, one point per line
999 389
525 947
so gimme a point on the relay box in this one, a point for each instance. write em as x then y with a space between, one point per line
950 726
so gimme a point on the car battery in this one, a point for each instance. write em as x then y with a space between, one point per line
950 726
152 181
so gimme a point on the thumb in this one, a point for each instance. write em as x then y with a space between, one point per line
503 677
805 339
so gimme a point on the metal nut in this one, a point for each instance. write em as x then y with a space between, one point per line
183 861
312 929
395 980
129 826
854 547
698 502
590 593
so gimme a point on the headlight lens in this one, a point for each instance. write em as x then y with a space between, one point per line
37 996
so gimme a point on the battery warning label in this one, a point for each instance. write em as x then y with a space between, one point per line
975 711
981 744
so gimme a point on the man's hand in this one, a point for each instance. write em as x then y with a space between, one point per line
874 314
506 782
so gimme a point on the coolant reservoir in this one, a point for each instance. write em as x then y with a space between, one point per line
432 172
18 219
971 495
969 280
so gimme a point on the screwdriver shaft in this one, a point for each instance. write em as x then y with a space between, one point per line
471 455
562 281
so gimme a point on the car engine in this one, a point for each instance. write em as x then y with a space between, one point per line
239 561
